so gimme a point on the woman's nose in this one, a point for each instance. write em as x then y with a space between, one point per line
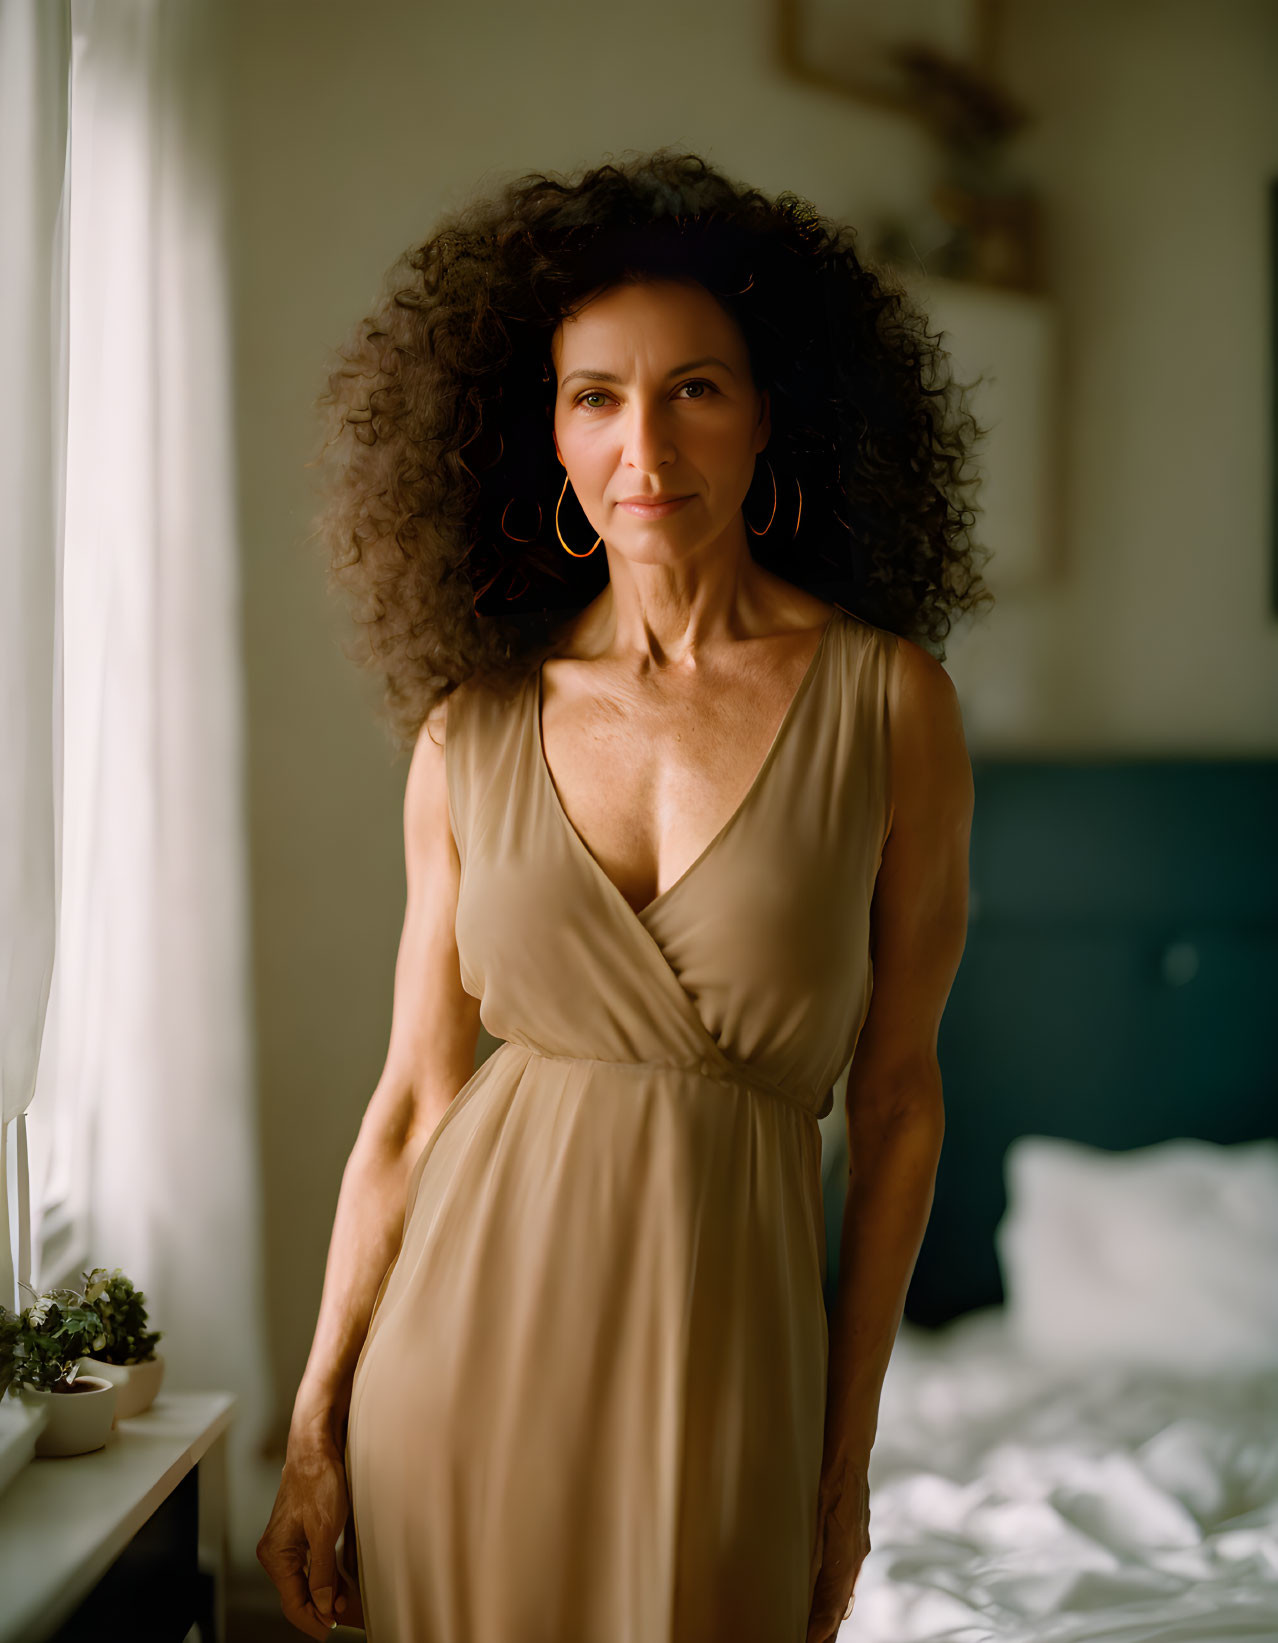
648 442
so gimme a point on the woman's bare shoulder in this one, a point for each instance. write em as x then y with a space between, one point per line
920 683
931 768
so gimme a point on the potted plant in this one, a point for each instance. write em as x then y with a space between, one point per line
21 1423
122 1348
41 1365
10 1331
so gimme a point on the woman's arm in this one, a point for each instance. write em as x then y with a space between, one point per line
894 1107
434 1030
895 1115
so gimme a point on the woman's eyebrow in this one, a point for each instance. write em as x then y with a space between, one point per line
691 365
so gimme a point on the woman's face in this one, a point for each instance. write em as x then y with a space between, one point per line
655 398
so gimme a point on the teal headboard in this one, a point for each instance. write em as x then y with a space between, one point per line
1119 986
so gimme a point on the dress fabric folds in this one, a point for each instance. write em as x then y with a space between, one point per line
590 1404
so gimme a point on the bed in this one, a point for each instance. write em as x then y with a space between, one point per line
1078 1436
1018 1501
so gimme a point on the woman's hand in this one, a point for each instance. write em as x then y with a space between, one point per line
843 1542
298 1548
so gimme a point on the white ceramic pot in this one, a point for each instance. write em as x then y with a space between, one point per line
137 1383
78 1420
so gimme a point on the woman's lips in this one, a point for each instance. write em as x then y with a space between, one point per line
658 510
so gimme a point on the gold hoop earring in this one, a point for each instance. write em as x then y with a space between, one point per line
560 534
768 526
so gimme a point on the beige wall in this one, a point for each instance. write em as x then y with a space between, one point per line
354 125
1158 136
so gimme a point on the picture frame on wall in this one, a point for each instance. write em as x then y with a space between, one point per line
857 46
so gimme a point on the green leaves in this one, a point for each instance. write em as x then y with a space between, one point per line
41 1345
121 1310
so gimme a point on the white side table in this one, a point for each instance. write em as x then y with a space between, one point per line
126 1523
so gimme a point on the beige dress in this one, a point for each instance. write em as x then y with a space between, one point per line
590 1405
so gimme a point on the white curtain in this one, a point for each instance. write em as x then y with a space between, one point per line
35 44
124 952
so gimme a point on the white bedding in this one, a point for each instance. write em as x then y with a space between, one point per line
1018 1501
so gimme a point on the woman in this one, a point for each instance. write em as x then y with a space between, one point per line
572 1378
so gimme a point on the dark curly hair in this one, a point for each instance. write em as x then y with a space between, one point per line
438 511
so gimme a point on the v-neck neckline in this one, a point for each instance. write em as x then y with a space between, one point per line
769 759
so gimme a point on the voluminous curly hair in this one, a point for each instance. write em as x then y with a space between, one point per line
441 480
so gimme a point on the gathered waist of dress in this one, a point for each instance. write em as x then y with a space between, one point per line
707 1070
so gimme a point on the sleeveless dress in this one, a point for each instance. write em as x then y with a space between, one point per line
590 1404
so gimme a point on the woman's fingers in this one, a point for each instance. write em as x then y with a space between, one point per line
298 1549
284 1564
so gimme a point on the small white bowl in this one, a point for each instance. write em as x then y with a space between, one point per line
78 1421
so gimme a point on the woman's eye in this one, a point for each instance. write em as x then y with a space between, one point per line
598 393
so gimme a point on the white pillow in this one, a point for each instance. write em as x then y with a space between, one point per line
1164 1256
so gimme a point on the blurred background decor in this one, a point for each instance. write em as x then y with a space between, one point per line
935 62
1273 392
